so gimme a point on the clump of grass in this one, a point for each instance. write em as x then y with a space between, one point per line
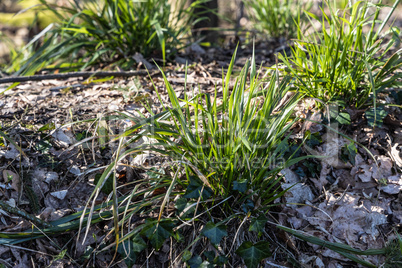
110 31
237 146
341 62
224 162
277 18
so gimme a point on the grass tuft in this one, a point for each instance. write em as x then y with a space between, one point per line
339 62
108 32
277 18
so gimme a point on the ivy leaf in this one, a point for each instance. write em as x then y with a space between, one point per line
258 224
195 261
253 254
247 206
313 168
157 233
186 255
43 146
184 208
375 116
240 185
125 249
138 244
210 255
195 187
349 153
342 118
215 260
82 135
220 260
299 171
155 173
214 232
313 139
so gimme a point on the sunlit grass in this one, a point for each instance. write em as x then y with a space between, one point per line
277 18
108 32
334 63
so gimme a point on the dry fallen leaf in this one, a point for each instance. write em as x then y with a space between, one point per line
64 136
13 153
60 194
395 154
394 184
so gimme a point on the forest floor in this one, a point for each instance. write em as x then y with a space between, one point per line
348 198
352 197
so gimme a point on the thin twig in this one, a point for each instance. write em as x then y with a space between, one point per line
15 79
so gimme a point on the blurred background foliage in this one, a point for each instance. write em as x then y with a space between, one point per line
21 21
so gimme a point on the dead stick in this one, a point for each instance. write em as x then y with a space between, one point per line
14 79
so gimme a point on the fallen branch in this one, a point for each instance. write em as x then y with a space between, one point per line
16 79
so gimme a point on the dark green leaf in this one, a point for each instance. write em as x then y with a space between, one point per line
186 255
43 146
195 188
247 206
258 224
375 116
108 186
81 136
253 254
240 185
220 260
312 167
138 243
313 139
157 233
339 103
299 171
210 255
397 95
215 232
125 249
184 208
343 118
195 261
349 153
49 126
154 173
